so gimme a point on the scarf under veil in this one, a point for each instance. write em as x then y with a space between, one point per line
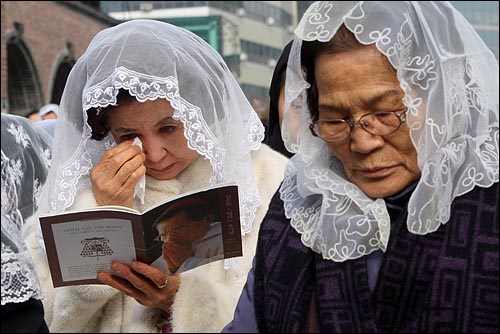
450 81
151 60
277 83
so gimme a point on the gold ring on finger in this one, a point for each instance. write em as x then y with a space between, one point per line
164 285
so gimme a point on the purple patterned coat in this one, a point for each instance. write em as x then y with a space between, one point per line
446 281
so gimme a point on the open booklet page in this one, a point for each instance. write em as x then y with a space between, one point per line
175 236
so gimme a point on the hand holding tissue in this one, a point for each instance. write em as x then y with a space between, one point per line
140 187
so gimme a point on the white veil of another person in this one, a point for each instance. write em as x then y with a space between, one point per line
450 81
25 165
151 60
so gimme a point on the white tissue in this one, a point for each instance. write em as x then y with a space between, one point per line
140 187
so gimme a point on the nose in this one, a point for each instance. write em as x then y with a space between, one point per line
363 141
153 149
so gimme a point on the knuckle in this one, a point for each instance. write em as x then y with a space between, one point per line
115 161
106 193
127 292
140 285
107 155
136 149
127 169
138 172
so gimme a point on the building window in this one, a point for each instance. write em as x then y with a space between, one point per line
22 76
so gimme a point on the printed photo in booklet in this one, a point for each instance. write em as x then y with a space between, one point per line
175 236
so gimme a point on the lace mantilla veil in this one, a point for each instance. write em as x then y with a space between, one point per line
450 81
25 164
155 60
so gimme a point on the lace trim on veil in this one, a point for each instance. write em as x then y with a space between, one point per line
19 282
332 215
200 137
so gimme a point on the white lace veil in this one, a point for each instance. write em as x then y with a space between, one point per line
450 81
152 59
25 164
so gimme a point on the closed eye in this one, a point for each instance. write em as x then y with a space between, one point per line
334 121
168 128
128 136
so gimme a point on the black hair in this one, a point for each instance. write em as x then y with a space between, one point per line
98 119
273 130
343 40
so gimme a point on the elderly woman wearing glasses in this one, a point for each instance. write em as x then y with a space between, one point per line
387 218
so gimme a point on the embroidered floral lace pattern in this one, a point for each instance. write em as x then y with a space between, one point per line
15 166
19 282
196 130
146 87
25 161
452 115
154 60
198 133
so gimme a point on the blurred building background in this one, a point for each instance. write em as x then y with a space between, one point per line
483 15
41 40
250 35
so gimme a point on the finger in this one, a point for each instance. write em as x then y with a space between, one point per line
172 267
139 282
116 162
131 174
126 190
157 276
121 147
114 187
178 253
160 298
166 256
113 159
125 180
120 284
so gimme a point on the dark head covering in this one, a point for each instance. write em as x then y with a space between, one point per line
273 138
201 205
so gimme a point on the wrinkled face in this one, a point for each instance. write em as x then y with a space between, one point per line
163 141
181 229
351 84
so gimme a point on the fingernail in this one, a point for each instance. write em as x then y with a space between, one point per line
115 267
101 277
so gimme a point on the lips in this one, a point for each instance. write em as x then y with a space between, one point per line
376 172
162 170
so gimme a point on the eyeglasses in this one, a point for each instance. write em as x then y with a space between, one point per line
378 123
179 228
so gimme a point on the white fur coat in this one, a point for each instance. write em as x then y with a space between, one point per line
207 296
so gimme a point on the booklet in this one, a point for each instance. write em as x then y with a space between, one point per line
175 236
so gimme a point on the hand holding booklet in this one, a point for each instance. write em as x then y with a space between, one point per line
175 236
